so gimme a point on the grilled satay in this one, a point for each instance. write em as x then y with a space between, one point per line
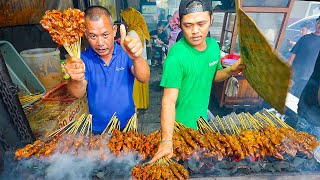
235 145
137 172
248 142
149 142
166 173
176 172
154 172
180 145
182 170
188 139
199 138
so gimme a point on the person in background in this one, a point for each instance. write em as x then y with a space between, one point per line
158 41
138 29
106 70
175 29
167 26
305 28
309 104
303 57
190 68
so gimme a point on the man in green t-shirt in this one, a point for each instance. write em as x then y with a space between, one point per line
190 68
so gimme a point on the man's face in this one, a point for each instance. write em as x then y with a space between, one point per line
318 26
195 28
100 35
160 29
304 31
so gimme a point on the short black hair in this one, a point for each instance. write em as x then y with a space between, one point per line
95 12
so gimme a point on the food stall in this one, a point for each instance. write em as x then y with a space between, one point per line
277 13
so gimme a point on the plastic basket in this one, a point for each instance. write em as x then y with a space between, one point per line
20 73
59 93
224 59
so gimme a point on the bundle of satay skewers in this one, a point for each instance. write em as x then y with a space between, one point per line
164 168
113 124
30 98
77 135
66 28
68 143
82 126
126 142
132 124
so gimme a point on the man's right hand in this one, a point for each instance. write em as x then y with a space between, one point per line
165 149
75 68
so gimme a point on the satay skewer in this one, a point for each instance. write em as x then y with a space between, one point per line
243 125
220 122
253 121
256 121
215 126
235 125
230 132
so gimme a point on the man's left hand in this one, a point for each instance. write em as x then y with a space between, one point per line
130 45
237 67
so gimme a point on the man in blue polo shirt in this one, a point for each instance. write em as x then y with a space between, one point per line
106 70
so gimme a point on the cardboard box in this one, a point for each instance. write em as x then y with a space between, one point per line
47 116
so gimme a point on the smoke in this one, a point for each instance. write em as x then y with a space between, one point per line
64 166
80 164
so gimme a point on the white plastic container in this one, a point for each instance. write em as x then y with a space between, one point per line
45 64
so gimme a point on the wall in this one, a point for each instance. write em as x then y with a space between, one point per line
28 37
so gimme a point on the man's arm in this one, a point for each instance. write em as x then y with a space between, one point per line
133 47
141 70
225 73
168 114
77 86
291 59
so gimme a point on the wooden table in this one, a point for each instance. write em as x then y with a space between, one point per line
246 98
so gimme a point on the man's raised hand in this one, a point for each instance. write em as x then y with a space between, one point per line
130 45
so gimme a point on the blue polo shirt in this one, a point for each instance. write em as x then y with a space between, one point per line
109 88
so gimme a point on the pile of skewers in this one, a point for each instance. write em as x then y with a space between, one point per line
269 141
92 146
164 169
131 141
77 136
81 126
253 138
30 98
228 138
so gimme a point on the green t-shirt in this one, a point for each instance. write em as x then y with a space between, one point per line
192 72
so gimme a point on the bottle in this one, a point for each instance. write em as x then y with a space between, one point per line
66 76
